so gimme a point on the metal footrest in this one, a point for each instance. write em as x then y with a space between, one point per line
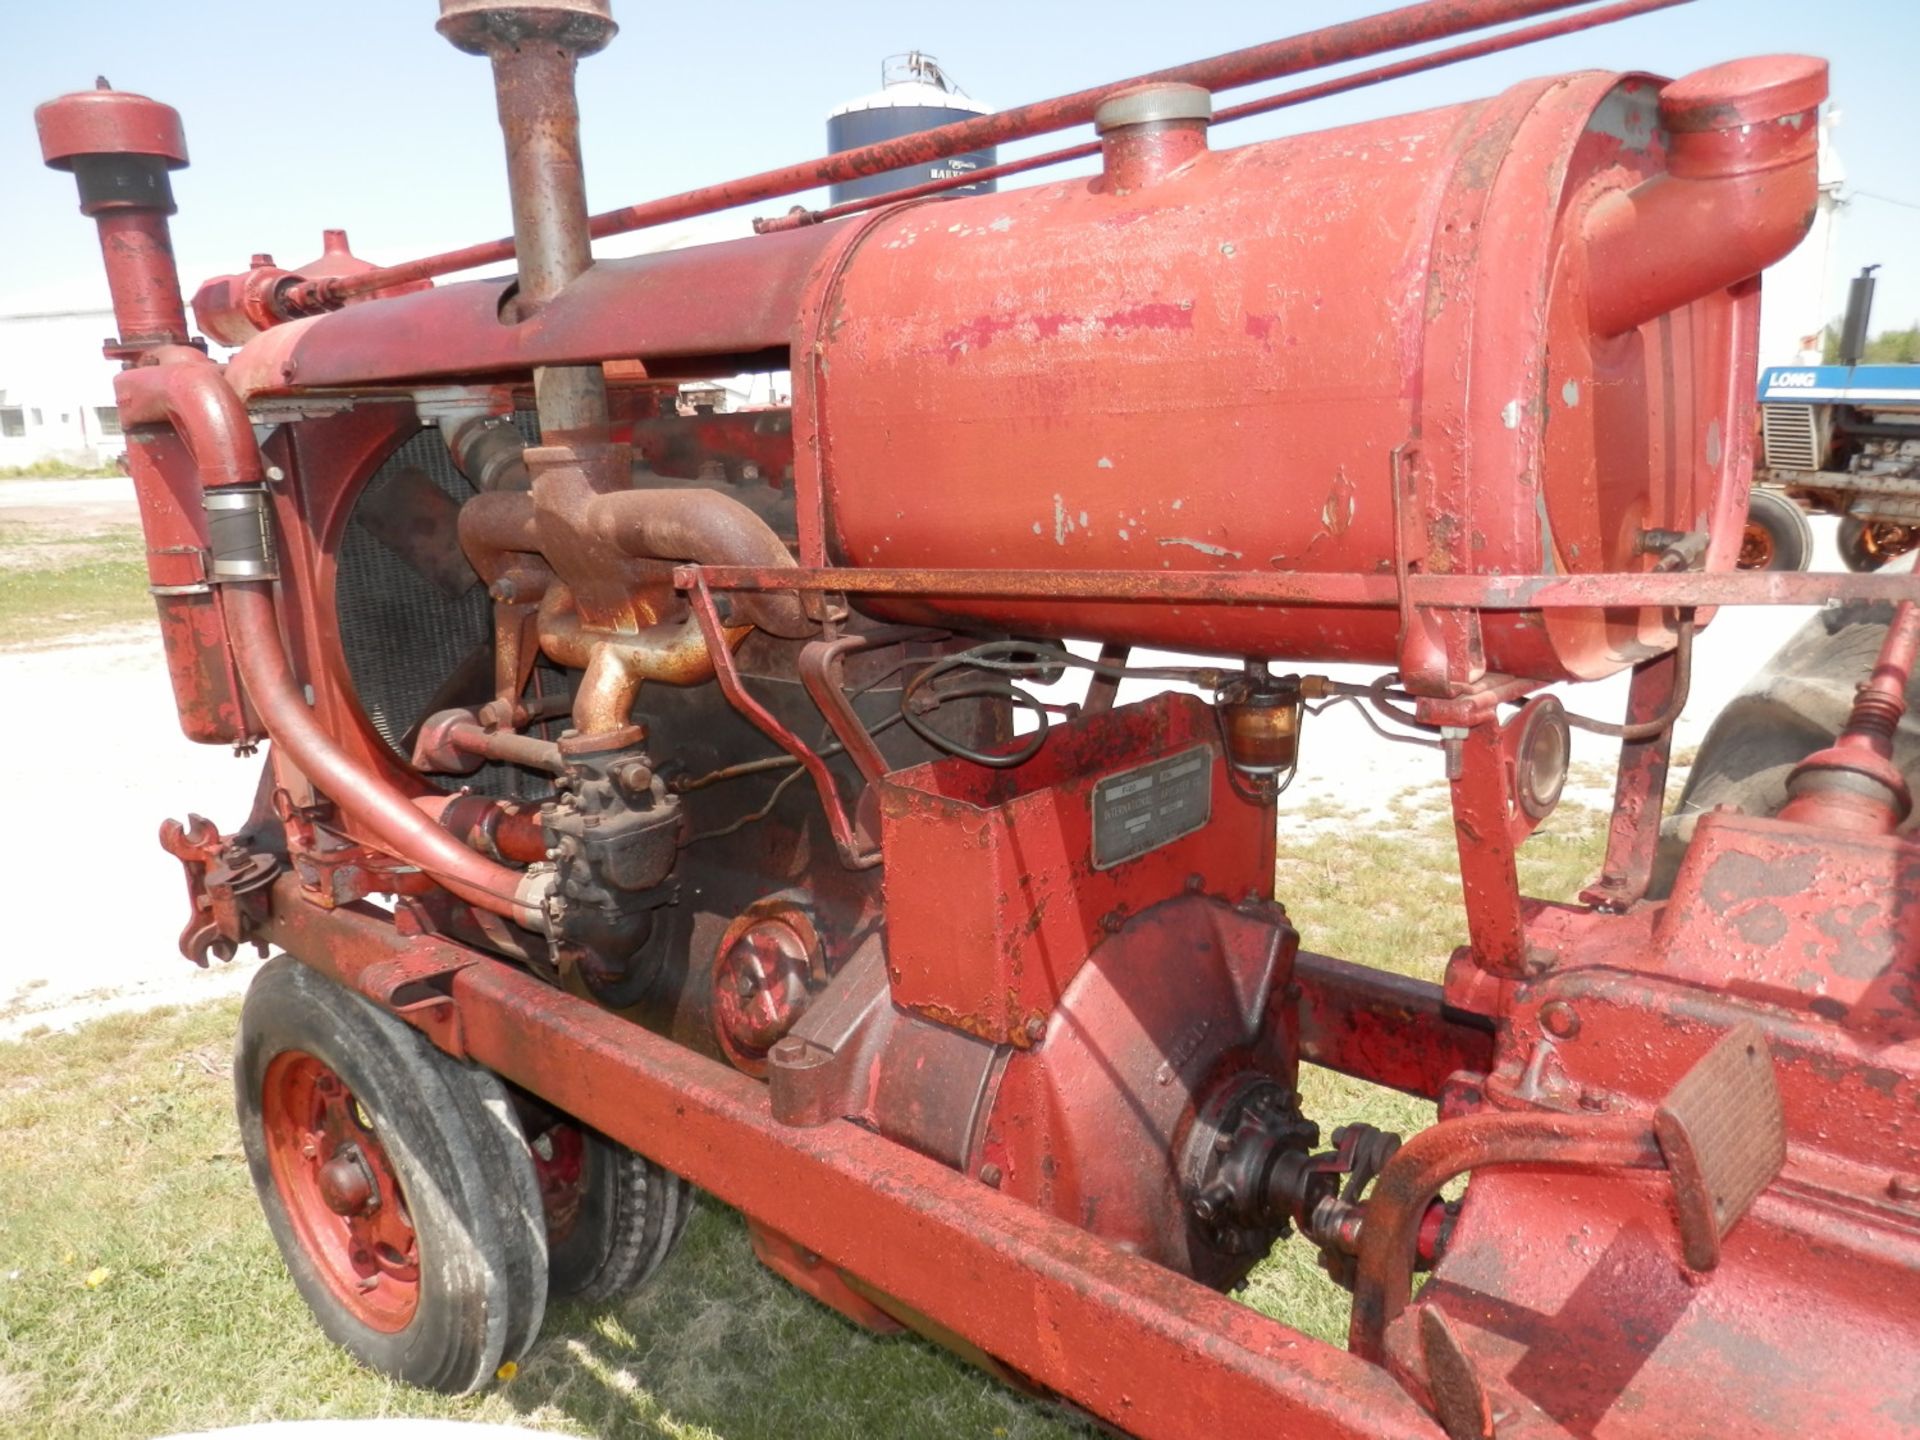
1724 1137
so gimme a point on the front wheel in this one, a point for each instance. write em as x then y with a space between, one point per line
1778 535
395 1180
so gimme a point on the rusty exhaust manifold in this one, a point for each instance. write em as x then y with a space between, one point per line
595 562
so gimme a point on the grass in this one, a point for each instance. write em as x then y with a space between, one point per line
58 470
55 583
140 1293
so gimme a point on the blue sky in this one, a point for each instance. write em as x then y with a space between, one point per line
356 114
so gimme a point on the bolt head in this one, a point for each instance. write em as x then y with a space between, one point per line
1560 1020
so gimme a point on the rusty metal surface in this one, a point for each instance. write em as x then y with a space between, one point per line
1006 1038
948 388
1294 588
735 298
1599 1329
1089 1119
1640 787
1724 1138
1460 1399
1775 926
1428 1160
1385 1028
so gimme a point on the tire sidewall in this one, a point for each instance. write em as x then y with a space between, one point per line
460 1329
1786 523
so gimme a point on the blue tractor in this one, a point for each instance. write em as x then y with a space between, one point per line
1842 440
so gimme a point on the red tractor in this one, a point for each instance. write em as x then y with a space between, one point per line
655 797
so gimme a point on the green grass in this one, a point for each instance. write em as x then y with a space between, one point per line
57 584
58 470
1389 896
119 1164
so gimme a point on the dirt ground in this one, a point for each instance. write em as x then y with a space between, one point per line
46 522
96 761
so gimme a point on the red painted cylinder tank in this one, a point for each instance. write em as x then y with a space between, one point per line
1508 337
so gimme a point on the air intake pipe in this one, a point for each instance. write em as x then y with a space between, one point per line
1739 192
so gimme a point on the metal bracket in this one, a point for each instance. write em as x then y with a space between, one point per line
417 988
226 886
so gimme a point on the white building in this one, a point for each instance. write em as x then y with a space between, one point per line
56 389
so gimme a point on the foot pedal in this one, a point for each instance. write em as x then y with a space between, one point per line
1724 1138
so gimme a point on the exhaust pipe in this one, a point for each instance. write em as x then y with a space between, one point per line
1853 330
534 48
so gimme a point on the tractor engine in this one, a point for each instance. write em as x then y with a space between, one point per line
680 765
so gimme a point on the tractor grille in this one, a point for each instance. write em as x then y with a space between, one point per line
412 615
1792 437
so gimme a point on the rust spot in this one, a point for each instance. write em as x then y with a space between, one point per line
1157 315
1734 877
974 335
1762 925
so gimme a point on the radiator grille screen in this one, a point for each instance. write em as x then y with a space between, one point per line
414 621
1792 437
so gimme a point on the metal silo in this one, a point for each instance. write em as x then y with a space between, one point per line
915 94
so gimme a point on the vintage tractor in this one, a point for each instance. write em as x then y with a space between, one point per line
1841 439
656 799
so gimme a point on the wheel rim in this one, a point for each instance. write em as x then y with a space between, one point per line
1756 547
1884 541
340 1191
560 1163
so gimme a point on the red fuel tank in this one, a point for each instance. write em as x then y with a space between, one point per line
1508 337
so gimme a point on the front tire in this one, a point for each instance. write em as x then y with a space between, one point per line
395 1180
1778 535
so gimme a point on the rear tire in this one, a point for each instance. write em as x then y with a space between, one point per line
613 1216
1866 545
395 1180
1778 535
1796 704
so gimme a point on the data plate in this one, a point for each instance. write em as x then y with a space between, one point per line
1151 805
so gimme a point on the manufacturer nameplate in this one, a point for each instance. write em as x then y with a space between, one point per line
1151 805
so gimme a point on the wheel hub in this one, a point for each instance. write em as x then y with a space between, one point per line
340 1189
560 1164
347 1183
